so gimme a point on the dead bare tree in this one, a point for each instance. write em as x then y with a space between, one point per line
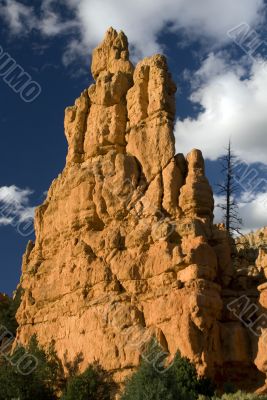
228 190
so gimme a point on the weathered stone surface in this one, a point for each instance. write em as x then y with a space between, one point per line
125 243
196 195
151 111
112 55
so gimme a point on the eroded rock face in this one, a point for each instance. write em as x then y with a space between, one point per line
125 243
250 277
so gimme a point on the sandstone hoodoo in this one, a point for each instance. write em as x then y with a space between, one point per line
125 244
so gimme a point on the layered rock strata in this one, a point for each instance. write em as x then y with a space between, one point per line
125 244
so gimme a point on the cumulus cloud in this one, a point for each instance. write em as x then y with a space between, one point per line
141 20
22 19
18 16
252 210
233 105
5 221
14 205
232 101
51 23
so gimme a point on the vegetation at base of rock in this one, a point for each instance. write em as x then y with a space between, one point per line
235 396
36 385
154 380
8 309
91 384
49 379
178 381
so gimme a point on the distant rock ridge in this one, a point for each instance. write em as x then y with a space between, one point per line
125 243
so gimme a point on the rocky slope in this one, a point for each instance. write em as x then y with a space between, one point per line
125 243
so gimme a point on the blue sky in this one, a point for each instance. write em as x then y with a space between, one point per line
216 52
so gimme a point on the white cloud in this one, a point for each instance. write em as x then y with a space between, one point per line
252 209
73 51
141 20
18 16
5 221
14 195
22 19
254 212
14 205
51 23
233 107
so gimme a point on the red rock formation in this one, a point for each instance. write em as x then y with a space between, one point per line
125 243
